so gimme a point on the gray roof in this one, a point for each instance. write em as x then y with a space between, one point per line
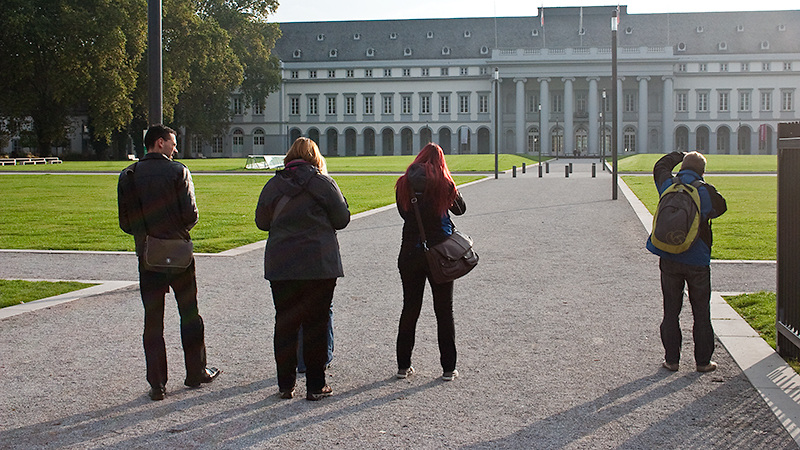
701 33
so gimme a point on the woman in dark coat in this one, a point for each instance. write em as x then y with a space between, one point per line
427 180
302 207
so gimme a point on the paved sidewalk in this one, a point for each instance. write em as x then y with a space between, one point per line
557 333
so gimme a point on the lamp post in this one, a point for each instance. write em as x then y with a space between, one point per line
603 125
614 114
496 89
558 141
538 140
154 73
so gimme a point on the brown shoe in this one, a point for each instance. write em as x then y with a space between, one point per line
670 366
326 391
710 367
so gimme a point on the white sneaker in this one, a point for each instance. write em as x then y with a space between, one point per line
404 373
449 376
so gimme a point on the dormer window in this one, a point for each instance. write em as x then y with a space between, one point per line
764 45
445 50
297 54
320 37
681 46
534 33
699 29
467 34
407 51
357 37
582 31
723 46
629 30
484 50
333 53
370 52
430 35
781 27
392 35
740 28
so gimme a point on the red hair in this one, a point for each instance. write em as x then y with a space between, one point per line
440 189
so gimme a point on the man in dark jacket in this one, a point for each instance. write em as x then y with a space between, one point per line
691 267
156 198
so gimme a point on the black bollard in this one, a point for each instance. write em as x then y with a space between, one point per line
570 167
566 171
594 171
514 171
523 167
547 167
540 171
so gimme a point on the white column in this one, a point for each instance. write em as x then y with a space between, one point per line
668 117
594 117
544 117
519 115
569 116
641 136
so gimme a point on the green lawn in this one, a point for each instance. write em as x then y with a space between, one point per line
14 292
457 163
79 212
716 163
748 229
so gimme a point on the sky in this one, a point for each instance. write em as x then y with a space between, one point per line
325 10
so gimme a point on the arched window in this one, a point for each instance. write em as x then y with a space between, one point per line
238 141
629 139
258 141
533 140
581 141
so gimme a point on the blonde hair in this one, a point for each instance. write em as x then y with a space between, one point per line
307 150
694 161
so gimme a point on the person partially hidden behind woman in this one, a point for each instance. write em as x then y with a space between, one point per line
302 208
428 181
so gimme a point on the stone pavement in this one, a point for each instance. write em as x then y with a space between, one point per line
557 333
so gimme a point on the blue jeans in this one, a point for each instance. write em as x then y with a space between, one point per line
301 366
674 276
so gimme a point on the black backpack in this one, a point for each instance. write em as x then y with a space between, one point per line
676 223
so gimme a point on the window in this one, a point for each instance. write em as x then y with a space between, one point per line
744 101
331 106
558 103
368 73
294 106
331 74
237 106
406 72
580 103
681 104
723 67
350 73
629 139
745 67
258 108
405 104
295 74
464 71
238 141
424 104
766 101
387 104
702 101
787 100
312 74
681 67
483 103
387 72
444 71
630 103
703 67
724 102
787 66
258 137
765 66
444 103
723 141
216 144
312 106
349 105
533 140
463 103
426 72
197 144
485 70
368 106
533 103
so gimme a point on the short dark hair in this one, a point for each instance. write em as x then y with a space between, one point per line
155 132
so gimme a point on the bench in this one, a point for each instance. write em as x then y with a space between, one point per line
264 162
27 161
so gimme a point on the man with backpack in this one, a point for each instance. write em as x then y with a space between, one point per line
684 248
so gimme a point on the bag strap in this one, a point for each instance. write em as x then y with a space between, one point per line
419 219
139 225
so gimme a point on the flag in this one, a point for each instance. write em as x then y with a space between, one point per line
541 15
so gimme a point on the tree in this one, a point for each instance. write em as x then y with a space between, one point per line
62 56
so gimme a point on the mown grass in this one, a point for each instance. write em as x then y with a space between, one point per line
758 310
15 292
716 163
456 163
79 212
748 229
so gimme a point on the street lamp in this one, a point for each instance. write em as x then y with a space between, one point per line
538 141
558 141
496 88
615 119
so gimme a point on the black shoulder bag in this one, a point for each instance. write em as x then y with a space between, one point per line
453 258
158 255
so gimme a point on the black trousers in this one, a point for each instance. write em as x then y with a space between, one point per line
154 286
674 276
413 273
306 303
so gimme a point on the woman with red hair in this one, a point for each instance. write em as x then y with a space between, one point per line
428 182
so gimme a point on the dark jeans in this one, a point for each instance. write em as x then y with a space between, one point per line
413 273
154 286
301 366
674 276
306 303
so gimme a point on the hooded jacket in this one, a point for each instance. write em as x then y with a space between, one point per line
302 243
712 205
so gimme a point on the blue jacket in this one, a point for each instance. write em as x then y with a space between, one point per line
712 205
